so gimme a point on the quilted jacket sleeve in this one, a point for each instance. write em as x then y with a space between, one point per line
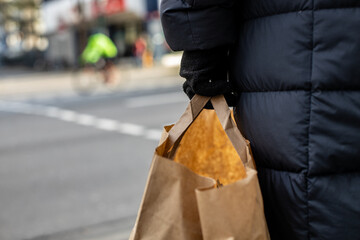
198 24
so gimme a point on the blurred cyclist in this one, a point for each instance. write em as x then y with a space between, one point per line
100 52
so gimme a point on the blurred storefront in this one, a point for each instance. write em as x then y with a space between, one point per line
53 33
21 32
69 23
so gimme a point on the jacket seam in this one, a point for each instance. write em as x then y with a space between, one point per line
280 170
269 91
310 176
303 90
309 127
334 174
298 10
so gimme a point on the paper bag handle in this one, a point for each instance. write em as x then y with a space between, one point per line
223 112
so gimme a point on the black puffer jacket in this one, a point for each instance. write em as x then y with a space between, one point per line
296 64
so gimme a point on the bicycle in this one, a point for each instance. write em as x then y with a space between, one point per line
88 78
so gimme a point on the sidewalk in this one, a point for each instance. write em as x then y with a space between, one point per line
51 83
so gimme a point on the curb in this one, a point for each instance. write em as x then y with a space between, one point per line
35 84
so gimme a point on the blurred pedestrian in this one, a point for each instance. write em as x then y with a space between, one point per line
139 50
294 80
100 51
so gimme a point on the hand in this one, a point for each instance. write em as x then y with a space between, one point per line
230 97
206 74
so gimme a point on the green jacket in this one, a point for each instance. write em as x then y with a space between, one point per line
99 45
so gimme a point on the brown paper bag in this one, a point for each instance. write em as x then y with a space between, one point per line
199 150
180 204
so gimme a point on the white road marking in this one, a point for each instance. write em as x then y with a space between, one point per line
68 116
52 112
81 119
85 119
107 124
153 134
132 129
158 99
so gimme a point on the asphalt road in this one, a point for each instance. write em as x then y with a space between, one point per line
75 167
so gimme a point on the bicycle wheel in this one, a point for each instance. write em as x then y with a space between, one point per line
86 80
115 80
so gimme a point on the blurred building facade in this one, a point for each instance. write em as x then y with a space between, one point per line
21 30
59 29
